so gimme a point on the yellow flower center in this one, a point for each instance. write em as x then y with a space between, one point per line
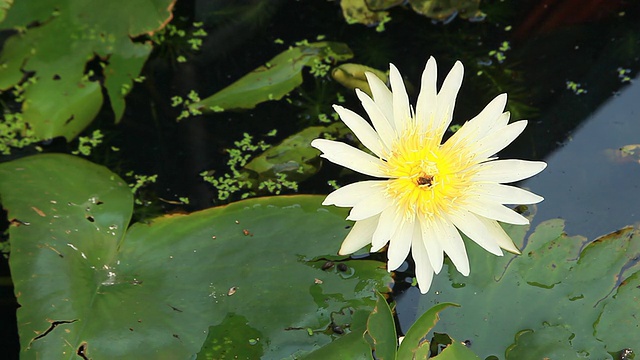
426 179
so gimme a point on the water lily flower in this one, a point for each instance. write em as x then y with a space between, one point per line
427 192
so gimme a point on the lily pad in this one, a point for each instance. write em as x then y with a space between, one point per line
56 40
413 346
89 284
352 76
382 329
563 295
372 12
359 12
293 156
278 77
379 338
447 9
456 351
377 5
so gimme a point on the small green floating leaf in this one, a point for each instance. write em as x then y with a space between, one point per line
83 277
627 153
352 76
293 156
274 80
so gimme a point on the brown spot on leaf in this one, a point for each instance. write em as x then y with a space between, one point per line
38 211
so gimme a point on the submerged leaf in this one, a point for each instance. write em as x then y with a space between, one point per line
293 156
359 12
446 9
275 79
352 76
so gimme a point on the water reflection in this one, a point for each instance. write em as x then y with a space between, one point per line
585 186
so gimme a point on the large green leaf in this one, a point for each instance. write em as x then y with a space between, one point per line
253 272
564 295
412 343
379 338
67 35
351 346
275 79
382 329
456 351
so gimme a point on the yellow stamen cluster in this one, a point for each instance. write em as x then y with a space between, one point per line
426 180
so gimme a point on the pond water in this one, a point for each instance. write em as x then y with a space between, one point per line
542 53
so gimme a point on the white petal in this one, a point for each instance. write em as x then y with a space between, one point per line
432 246
349 195
401 109
359 236
381 95
507 171
503 120
378 119
499 235
450 241
498 140
399 245
447 98
361 128
505 194
350 157
476 230
386 227
495 211
373 204
426 105
424 272
489 119
486 119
